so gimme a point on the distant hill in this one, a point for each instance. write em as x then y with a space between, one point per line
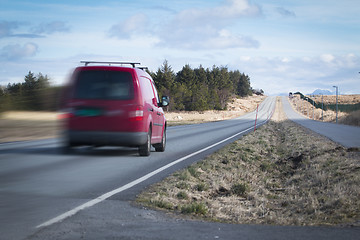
322 92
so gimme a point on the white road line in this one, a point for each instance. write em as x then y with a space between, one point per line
133 183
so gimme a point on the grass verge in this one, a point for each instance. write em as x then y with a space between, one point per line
282 174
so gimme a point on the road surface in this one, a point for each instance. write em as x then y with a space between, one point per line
88 194
348 136
38 183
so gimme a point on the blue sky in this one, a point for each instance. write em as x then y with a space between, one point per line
292 45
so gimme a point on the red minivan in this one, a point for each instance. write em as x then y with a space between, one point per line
112 105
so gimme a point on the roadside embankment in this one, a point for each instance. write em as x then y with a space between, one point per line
281 174
308 110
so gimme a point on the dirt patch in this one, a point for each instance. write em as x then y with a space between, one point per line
281 174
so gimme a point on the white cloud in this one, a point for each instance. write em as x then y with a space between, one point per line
136 24
225 39
327 58
237 8
285 60
16 51
229 10
51 27
208 28
193 28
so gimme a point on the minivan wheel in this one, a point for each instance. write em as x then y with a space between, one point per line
161 146
144 150
65 143
66 148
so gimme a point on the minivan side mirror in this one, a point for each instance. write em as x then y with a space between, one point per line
165 100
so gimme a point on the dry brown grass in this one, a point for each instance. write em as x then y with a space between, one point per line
352 118
281 174
21 126
342 99
235 108
307 110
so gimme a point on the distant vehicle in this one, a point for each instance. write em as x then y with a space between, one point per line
107 105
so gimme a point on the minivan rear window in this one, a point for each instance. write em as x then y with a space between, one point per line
108 85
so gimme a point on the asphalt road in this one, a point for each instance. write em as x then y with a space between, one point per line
88 194
38 183
348 136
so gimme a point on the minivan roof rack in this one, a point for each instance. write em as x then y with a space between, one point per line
143 68
130 63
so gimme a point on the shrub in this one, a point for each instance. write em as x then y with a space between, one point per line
193 172
182 185
239 189
183 175
162 204
182 195
201 187
196 208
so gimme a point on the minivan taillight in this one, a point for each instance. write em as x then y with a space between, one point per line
137 115
65 113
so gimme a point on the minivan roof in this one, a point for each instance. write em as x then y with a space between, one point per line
133 64
141 70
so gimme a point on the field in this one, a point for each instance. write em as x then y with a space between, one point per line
236 108
20 126
342 99
282 174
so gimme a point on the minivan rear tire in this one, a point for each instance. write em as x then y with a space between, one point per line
160 147
67 148
145 149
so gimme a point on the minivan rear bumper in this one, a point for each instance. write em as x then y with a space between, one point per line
106 138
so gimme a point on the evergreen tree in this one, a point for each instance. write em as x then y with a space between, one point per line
30 82
164 79
178 97
42 81
241 83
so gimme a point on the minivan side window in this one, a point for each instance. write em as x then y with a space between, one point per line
107 85
155 92
149 93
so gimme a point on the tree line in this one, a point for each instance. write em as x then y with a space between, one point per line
200 89
190 89
34 94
